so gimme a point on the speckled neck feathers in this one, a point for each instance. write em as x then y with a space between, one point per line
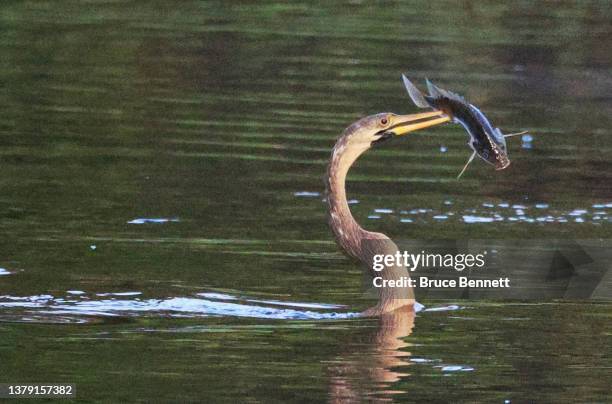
349 235
346 230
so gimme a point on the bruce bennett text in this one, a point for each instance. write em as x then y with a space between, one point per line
425 282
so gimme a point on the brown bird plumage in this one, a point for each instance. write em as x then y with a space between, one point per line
356 242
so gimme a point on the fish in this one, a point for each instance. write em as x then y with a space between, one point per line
486 142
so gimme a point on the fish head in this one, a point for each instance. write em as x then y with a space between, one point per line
492 149
500 150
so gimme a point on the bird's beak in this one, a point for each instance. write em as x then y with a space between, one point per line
413 122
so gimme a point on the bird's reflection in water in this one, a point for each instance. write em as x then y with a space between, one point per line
369 370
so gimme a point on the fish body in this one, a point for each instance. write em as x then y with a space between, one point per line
485 140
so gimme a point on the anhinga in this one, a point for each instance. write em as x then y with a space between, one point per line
351 237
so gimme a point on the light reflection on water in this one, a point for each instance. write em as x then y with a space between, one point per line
500 212
47 307
156 220
204 305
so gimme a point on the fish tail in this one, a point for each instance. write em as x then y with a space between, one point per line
437 92
434 91
415 94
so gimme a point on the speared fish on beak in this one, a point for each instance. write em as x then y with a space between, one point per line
486 142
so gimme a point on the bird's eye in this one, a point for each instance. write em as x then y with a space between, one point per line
384 121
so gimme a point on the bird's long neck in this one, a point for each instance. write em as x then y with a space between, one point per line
355 241
346 230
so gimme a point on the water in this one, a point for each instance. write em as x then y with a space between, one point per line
164 234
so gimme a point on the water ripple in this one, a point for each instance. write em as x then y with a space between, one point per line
157 220
489 212
204 305
79 307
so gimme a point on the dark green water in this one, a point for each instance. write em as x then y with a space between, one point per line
220 117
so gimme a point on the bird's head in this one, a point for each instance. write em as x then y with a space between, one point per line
376 129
